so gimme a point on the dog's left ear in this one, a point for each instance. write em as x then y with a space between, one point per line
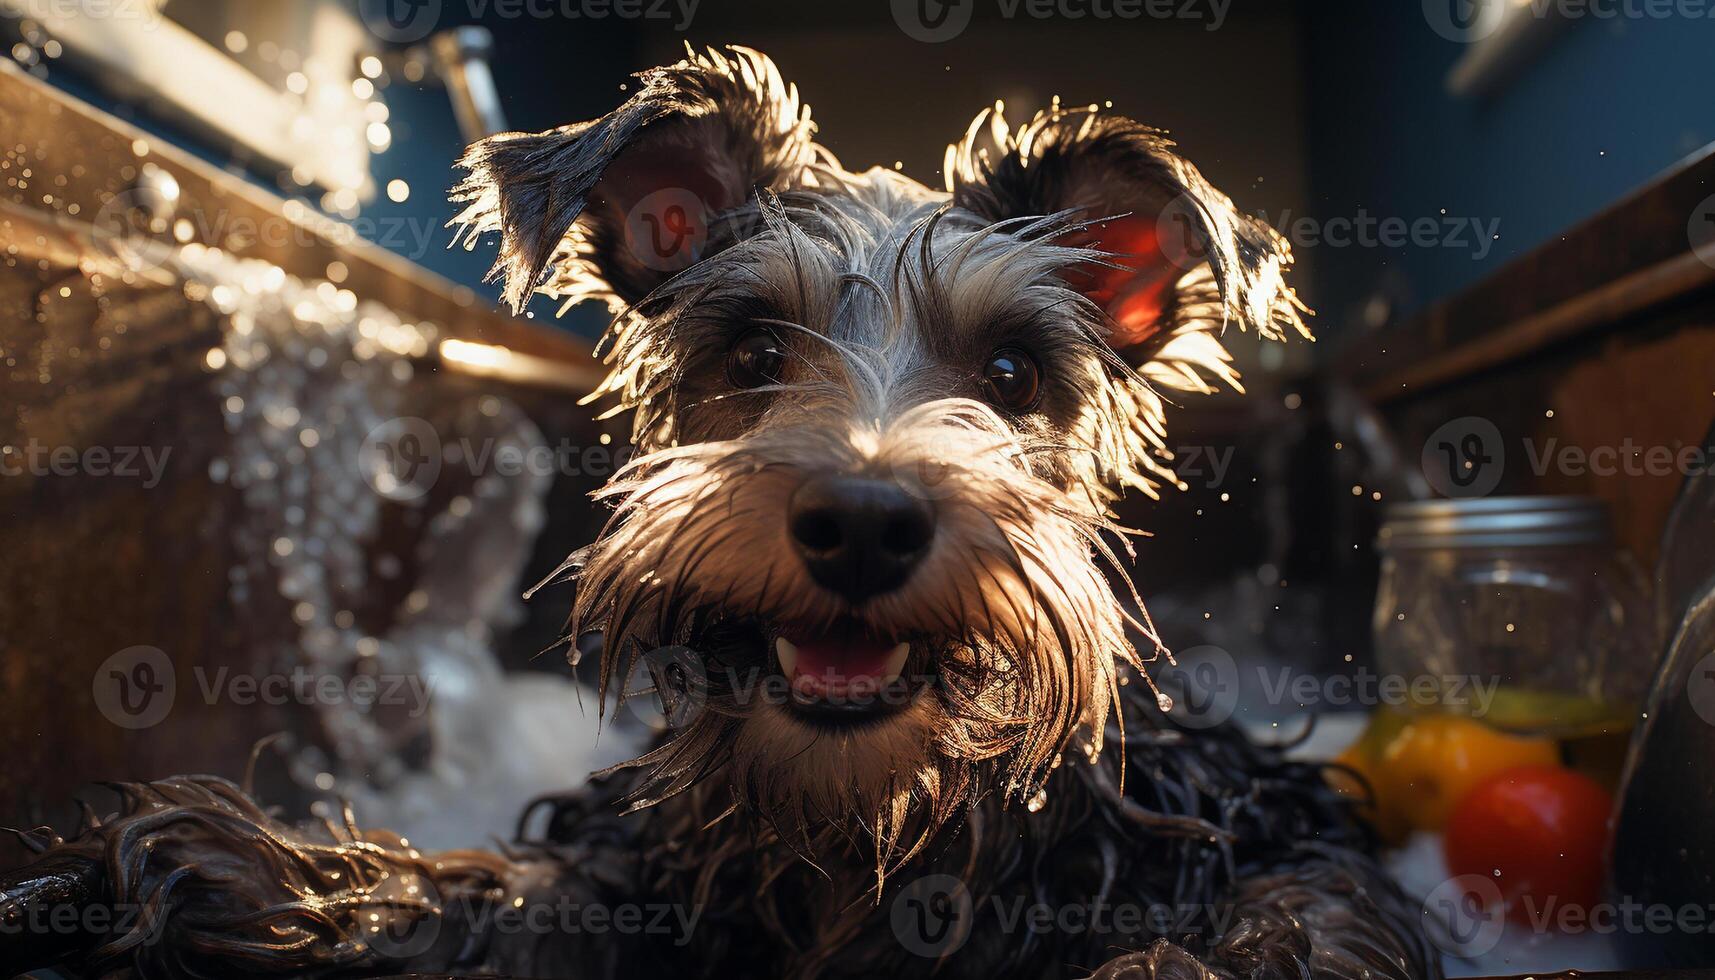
1183 261
612 207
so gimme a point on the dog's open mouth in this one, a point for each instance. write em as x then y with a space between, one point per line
845 673
842 674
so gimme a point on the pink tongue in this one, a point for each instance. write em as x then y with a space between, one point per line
842 658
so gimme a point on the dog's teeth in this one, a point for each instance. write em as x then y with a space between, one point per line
788 655
896 661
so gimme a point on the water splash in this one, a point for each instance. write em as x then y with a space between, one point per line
306 375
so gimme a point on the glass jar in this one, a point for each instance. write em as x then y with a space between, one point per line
1515 609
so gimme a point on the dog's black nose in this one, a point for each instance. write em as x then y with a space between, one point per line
859 537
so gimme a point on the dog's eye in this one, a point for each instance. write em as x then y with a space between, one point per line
757 359
1011 379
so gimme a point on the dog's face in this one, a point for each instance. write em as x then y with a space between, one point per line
880 427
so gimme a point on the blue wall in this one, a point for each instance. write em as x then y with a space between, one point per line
547 75
1607 105
426 141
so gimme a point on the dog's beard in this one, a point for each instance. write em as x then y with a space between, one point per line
1009 618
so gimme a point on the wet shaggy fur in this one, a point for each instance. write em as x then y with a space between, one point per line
1218 859
1033 808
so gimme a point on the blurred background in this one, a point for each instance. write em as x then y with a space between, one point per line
1298 110
275 460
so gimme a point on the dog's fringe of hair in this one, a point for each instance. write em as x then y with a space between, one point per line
824 238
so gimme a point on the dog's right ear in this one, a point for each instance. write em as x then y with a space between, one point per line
613 207
1182 261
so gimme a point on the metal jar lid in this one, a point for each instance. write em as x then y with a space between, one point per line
1495 522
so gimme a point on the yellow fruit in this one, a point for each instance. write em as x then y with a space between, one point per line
1434 760
1420 765
1376 806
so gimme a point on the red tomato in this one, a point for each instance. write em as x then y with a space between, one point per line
1539 833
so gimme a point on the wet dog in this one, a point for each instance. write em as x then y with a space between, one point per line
865 551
